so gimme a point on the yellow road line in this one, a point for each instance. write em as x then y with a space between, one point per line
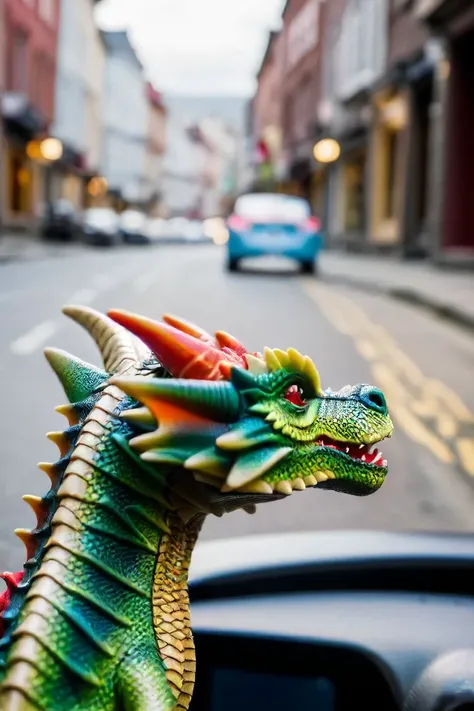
428 411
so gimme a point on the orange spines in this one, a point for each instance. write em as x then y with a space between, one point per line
61 441
40 508
181 353
69 411
29 540
52 472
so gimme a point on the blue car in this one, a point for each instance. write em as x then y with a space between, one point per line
273 224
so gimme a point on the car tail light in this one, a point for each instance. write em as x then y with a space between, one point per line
311 224
238 224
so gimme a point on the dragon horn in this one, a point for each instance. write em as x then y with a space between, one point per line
119 351
183 355
190 328
78 379
225 340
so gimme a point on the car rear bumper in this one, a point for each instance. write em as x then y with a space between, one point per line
302 248
102 239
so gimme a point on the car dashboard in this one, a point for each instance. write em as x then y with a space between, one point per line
333 621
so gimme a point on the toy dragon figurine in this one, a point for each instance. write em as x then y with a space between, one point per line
178 425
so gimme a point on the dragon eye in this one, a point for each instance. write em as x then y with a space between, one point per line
296 396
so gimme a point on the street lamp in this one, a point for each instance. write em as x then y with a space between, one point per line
327 151
51 149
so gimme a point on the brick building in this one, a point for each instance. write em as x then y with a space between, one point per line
401 132
29 54
156 147
266 124
452 182
303 22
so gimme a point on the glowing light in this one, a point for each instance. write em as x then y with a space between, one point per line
97 186
327 151
215 229
33 150
51 149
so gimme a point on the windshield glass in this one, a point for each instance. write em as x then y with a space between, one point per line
298 174
272 207
100 216
132 220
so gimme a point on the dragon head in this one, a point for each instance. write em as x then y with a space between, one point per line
238 428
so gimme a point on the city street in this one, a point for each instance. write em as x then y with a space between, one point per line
424 366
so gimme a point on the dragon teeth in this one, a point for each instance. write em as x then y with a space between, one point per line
321 476
257 487
385 463
363 458
347 450
284 487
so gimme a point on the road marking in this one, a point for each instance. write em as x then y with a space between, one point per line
34 339
428 411
84 297
9 295
144 282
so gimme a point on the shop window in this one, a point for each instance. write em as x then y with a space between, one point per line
18 65
391 174
354 194
19 183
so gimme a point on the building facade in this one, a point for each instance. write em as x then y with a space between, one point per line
267 115
451 211
79 82
354 59
95 81
303 22
30 57
156 148
125 137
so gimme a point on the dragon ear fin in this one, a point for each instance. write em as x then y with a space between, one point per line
218 401
253 465
79 379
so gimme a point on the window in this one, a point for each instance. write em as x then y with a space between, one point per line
391 174
18 79
364 37
46 10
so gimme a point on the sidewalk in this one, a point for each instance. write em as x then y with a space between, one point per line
449 293
19 247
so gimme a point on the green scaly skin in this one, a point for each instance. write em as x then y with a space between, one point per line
100 621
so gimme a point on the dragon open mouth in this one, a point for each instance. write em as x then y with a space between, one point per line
359 452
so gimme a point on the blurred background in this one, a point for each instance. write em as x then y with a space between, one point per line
129 133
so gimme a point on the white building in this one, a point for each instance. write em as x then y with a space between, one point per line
70 98
125 120
181 172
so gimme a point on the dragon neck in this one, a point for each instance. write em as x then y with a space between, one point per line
170 604
110 584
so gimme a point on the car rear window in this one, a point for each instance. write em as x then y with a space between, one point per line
272 207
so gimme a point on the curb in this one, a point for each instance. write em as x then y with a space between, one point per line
407 295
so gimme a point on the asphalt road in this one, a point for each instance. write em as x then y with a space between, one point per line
424 365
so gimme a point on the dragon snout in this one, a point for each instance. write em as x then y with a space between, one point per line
374 399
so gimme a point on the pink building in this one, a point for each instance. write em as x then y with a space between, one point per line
157 115
29 58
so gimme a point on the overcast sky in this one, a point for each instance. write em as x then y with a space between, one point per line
196 46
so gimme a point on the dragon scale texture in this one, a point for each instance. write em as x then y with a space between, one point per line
177 426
